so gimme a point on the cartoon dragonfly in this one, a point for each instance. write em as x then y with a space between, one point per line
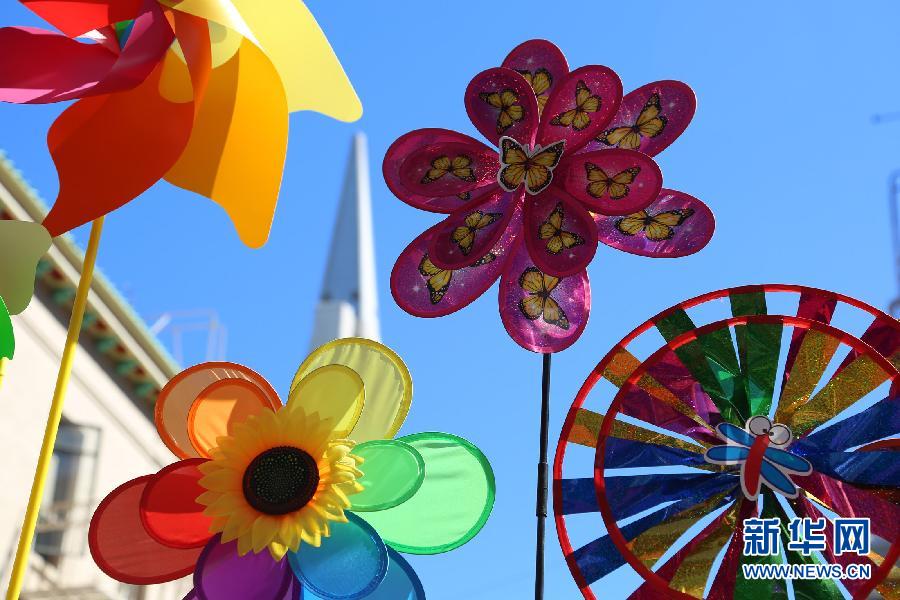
761 454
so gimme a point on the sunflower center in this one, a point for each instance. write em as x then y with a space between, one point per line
281 480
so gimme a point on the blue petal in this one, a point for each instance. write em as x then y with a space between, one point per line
349 565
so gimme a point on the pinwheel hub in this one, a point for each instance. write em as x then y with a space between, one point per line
281 480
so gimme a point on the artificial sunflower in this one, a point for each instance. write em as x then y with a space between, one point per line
269 499
279 480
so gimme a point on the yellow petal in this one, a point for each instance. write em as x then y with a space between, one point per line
334 393
388 385
289 35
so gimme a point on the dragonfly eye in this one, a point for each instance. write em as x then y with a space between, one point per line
780 435
759 425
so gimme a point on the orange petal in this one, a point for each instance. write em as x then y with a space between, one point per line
175 404
237 149
110 149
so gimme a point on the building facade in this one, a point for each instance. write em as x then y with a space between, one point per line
107 435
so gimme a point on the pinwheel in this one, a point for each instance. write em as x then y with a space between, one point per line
572 166
196 92
313 498
772 401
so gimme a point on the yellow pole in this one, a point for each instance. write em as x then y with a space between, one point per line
2 369
59 394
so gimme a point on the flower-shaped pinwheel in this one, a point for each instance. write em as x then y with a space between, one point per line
260 504
573 168
194 91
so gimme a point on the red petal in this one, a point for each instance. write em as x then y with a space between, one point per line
77 17
169 509
124 550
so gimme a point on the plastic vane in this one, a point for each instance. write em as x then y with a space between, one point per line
764 408
196 92
312 498
570 165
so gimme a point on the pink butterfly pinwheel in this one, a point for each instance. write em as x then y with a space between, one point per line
571 166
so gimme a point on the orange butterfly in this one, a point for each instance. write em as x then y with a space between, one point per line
460 167
507 101
538 303
658 227
465 236
535 169
580 116
540 81
650 123
557 238
601 183
438 280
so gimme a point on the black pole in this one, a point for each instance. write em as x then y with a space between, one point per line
542 480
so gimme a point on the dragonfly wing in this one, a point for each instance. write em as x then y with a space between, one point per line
734 433
726 454
777 480
789 461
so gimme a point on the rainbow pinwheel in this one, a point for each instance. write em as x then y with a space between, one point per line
196 92
270 500
770 401
572 167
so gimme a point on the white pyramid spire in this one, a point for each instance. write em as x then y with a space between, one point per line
348 306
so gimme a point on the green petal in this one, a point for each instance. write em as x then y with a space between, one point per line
22 244
394 472
452 505
7 339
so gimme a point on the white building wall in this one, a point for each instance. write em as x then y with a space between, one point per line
129 447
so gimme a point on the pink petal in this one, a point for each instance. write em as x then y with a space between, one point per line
537 55
54 68
495 208
643 189
573 295
677 104
521 116
689 237
601 82
409 158
559 252
411 275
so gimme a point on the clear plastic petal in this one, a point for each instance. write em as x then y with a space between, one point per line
222 574
350 564
176 402
451 507
335 393
393 473
169 510
388 385
124 550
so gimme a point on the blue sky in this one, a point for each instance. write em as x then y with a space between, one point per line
782 149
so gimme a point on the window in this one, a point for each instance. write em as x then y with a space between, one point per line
68 492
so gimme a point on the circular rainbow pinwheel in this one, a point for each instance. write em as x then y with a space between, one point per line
571 166
770 401
310 499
